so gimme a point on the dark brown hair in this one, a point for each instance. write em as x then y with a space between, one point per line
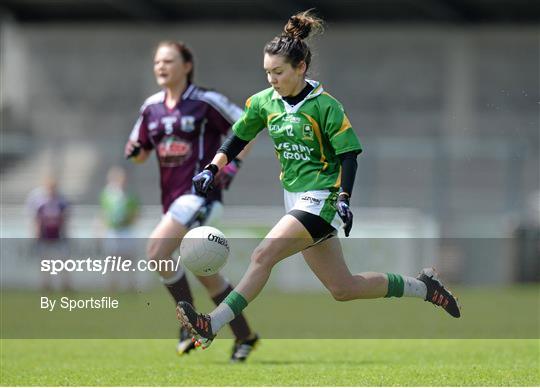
184 51
291 43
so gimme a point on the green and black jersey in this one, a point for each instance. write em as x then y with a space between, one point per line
307 136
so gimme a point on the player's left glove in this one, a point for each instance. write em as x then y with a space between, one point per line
226 175
344 212
202 182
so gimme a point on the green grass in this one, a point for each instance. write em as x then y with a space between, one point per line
275 362
495 343
488 313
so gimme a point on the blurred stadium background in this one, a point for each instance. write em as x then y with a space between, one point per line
444 95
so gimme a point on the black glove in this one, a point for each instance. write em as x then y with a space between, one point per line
202 182
344 212
132 149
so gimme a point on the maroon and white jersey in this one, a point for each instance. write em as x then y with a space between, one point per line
49 212
185 138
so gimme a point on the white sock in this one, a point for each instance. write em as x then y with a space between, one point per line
414 287
221 315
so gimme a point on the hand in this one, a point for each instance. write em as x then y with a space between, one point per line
226 175
202 182
344 212
132 149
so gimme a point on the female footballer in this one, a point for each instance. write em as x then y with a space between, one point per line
317 150
184 124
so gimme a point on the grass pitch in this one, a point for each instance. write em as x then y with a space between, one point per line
275 362
354 357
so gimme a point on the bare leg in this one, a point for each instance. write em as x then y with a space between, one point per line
327 263
286 238
165 238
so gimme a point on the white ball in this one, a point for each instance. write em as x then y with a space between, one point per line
204 250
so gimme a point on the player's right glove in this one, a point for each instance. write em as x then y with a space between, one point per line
344 212
202 182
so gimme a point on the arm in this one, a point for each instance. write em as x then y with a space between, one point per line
220 161
347 146
134 152
349 165
235 149
138 147
245 152
348 173
231 148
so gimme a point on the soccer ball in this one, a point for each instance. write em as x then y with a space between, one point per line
204 250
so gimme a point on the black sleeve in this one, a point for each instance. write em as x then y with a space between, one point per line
232 146
348 171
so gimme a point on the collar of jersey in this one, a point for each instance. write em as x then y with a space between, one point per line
317 90
185 95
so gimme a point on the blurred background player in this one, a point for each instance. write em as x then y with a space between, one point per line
184 124
119 212
317 149
49 209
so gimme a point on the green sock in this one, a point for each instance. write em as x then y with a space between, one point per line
395 285
236 302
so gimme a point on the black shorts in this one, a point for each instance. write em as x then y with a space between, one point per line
318 228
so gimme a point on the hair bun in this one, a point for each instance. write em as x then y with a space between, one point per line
301 25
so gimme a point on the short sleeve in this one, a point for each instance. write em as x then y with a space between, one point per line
222 113
339 130
251 122
139 133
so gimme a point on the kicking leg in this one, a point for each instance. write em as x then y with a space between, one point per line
164 240
286 238
245 338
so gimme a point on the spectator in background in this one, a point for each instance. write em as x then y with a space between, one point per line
119 208
119 211
49 210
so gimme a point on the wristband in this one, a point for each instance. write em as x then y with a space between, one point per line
212 168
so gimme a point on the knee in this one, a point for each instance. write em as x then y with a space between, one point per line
262 257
